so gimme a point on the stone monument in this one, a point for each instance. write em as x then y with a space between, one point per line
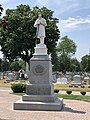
77 80
40 90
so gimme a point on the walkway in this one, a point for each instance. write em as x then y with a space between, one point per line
73 110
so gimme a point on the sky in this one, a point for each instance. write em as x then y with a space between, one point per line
73 15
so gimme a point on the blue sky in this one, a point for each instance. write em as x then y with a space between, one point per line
73 15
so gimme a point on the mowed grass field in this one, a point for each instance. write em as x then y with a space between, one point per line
4 83
65 87
62 87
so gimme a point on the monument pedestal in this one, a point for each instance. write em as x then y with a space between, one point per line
40 90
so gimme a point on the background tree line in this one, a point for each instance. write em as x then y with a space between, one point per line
19 39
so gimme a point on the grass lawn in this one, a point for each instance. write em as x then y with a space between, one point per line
65 87
20 94
66 96
74 97
3 83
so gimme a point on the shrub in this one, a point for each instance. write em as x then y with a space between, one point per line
83 92
70 85
68 92
56 90
24 87
18 87
82 86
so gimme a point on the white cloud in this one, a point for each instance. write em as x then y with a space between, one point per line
62 6
72 24
43 2
4 1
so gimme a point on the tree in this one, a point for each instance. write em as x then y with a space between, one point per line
19 40
1 9
65 49
85 63
3 23
64 63
74 65
14 66
21 64
5 66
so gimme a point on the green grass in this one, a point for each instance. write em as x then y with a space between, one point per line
20 94
65 87
65 96
74 97
3 83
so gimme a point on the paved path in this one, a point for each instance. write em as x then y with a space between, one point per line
73 110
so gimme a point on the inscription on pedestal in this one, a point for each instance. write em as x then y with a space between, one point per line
38 70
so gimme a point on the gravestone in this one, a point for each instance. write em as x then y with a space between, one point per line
10 77
54 77
77 80
17 74
39 89
21 75
1 75
86 79
62 80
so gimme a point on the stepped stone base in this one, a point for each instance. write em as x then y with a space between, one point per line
41 106
39 98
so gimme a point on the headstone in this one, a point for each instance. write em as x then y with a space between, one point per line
86 79
10 77
1 75
39 89
54 76
77 80
21 75
17 75
62 80
27 67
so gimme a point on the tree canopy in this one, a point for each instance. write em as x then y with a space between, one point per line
20 38
66 46
85 63
1 9
65 49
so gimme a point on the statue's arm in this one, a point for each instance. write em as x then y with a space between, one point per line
37 22
43 22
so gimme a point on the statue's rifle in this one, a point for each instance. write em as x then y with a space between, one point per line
37 33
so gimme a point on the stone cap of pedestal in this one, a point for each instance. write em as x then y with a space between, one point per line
40 58
40 49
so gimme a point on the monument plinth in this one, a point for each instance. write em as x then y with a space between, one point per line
39 90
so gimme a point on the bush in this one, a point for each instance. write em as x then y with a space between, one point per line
70 85
83 92
82 86
18 87
24 87
68 92
56 91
